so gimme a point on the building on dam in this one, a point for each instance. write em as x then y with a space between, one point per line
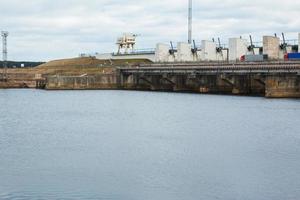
237 49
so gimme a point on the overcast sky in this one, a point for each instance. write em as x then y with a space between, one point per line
42 30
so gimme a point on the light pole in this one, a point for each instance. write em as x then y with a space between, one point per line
190 21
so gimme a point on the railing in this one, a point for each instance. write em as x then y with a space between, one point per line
275 67
136 52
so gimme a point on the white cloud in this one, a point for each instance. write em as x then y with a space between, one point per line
45 29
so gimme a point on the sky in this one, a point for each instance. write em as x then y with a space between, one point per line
43 30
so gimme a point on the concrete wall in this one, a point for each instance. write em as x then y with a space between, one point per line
208 50
162 53
104 56
150 57
105 81
18 80
184 52
271 46
17 84
237 48
283 86
108 56
299 42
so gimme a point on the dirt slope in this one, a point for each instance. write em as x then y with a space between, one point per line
78 66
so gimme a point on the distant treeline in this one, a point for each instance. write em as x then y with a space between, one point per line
20 64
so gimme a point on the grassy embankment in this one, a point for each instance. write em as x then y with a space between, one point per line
77 66
25 77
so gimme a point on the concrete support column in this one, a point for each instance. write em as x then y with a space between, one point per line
237 48
271 47
162 53
208 50
184 53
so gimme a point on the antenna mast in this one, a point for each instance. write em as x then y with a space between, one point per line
4 35
190 21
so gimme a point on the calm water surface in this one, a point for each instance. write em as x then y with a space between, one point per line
121 145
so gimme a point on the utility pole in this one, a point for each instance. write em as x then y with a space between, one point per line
190 21
4 35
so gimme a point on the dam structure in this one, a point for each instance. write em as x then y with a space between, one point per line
269 79
238 68
270 70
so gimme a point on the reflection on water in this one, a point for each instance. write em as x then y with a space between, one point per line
54 195
137 145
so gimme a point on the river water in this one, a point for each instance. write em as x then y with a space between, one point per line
123 145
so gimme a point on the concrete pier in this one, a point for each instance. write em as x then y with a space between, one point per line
271 47
208 52
237 48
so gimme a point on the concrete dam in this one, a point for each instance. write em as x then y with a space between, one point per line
271 70
269 79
